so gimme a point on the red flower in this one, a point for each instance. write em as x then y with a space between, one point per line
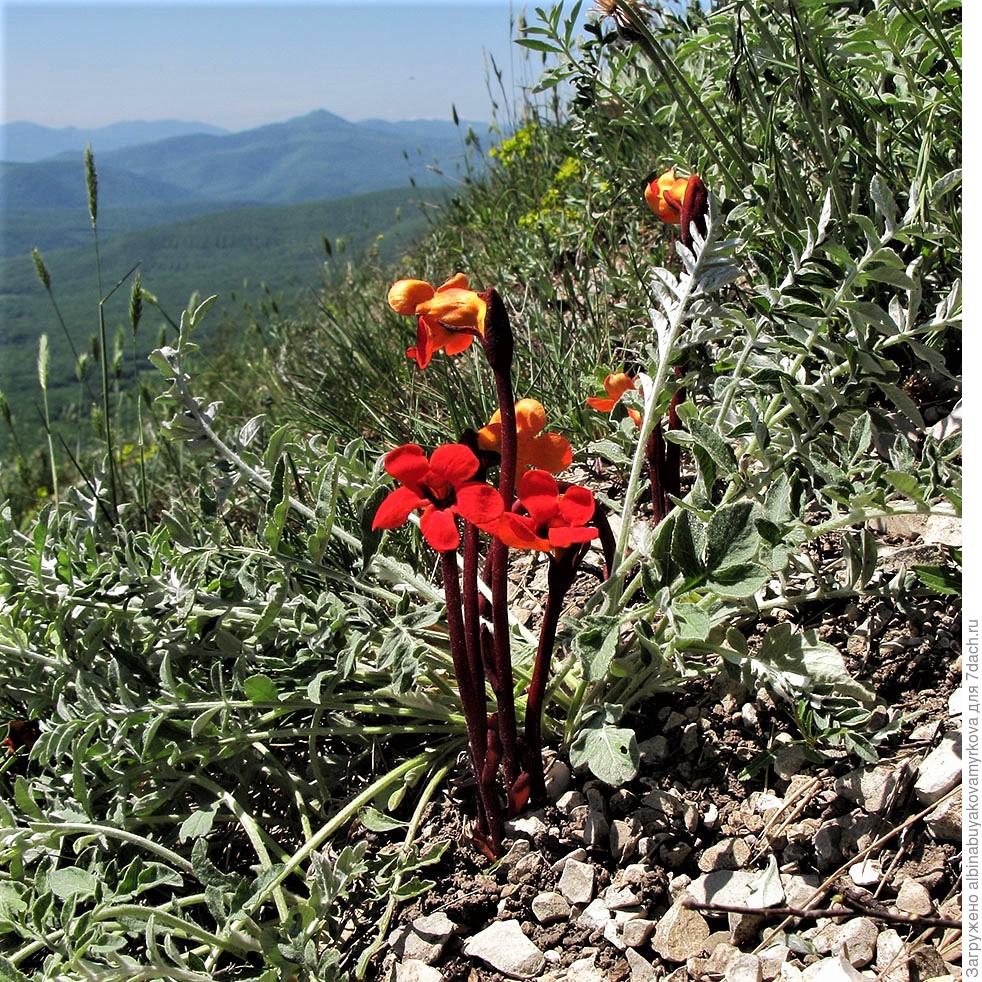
555 519
441 486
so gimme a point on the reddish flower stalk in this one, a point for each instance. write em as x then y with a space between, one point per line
499 348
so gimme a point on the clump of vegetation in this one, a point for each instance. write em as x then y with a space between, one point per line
217 658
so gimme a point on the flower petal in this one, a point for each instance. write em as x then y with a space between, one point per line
601 405
396 507
617 383
456 308
489 437
456 282
454 463
530 416
458 341
539 493
406 295
407 464
635 415
576 505
439 529
479 503
549 452
568 535
518 532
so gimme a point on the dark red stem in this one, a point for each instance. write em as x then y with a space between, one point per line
473 707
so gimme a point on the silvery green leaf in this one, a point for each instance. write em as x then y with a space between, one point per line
198 824
943 185
884 201
825 217
249 430
731 536
70 881
610 752
766 890
201 310
903 402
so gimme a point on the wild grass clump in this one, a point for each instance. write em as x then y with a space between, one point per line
223 660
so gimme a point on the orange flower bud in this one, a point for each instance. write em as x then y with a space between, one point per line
664 196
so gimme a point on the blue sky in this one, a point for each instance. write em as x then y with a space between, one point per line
239 65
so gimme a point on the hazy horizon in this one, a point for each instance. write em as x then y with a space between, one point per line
241 65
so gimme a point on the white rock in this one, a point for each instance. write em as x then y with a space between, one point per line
945 821
617 898
945 530
530 825
892 960
584 970
504 947
710 817
720 956
956 702
654 749
856 941
832 970
549 908
744 968
789 973
569 800
680 933
799 888
771 960
913 898
730 853
560 864
576 883
872 788
413 970
867 873
424 939
940 771
641 969
557 780
595 917
721 887
612 935
636 933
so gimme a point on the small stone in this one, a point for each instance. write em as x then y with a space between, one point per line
612 935
832 970
674 720
765 804
945 821
526 867
623 840
720 956
721 887
912 898
771 960
690 738
570 800
549 908
618 898
595 917
678 885
560 864
940 771
956 702
557 780
872 788
520 849
641 969
584 970
867 873
576 883
596 831
637 932
799 888
530 825
710 817
744 968
424 939
748 716
892 960
653 750
504 947
726 854
680 933
675 855
413 970
856 941
789 973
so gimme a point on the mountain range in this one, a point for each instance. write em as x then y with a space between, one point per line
311 157
25 143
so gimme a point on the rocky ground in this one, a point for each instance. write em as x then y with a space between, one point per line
809 868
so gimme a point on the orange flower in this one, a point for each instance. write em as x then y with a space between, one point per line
665 195
547 451
615 386
448 317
